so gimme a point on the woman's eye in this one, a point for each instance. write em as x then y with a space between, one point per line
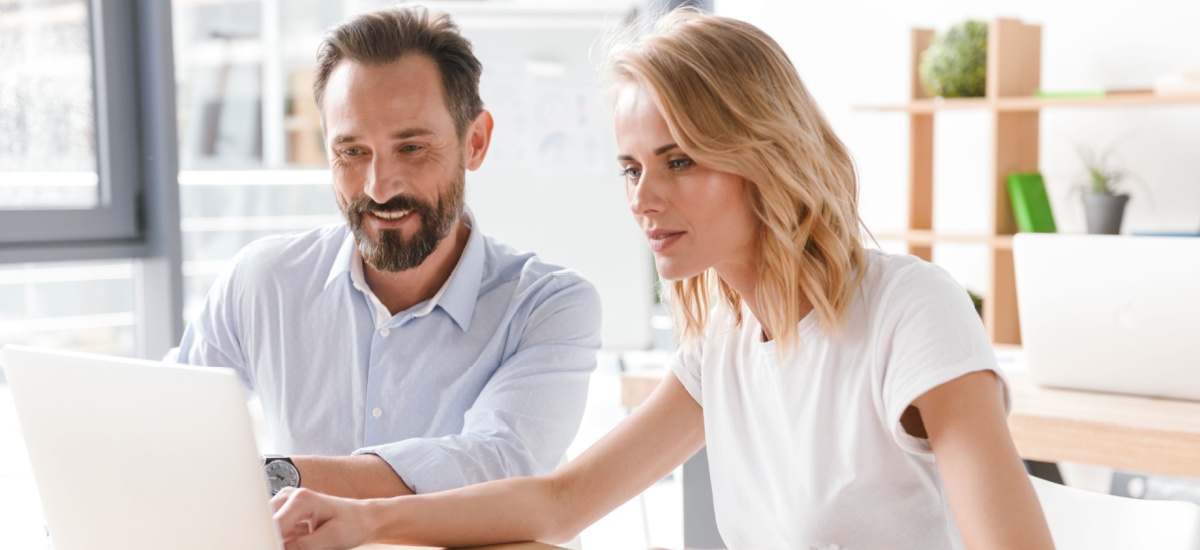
679 164
630 173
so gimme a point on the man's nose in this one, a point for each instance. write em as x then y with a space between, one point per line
385 179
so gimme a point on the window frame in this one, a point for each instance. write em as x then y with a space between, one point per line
138 172
115 227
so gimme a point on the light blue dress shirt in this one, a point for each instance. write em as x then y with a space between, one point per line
486 380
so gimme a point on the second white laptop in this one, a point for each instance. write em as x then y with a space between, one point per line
140 455
1111 313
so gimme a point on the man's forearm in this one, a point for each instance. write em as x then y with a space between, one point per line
361 476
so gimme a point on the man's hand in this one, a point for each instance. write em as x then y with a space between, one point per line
311 520
362 476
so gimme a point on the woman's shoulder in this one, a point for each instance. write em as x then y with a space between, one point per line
885 270
892 278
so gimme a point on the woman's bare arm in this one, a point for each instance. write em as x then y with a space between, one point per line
659 435
990 495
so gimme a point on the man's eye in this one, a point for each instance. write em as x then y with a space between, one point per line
352 151
410 148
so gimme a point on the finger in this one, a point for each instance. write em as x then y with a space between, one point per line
281 497
330 535
302 528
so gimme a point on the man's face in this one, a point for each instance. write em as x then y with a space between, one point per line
398 165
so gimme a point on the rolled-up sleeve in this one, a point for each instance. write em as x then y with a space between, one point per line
529 410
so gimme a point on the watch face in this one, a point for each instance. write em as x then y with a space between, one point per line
280 474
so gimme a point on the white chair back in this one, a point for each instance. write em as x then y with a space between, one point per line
1083 520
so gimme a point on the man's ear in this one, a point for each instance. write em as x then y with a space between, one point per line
479 137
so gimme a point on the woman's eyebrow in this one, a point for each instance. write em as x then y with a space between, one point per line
665 148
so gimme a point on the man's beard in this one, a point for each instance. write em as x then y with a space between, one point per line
390 251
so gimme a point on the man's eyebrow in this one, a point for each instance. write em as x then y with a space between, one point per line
401 134
657 152
412 133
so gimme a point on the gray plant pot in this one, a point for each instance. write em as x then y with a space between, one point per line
1104 212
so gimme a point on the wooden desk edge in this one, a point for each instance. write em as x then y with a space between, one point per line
506 546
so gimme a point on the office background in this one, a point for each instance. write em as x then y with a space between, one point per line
856 53
250 166
247 169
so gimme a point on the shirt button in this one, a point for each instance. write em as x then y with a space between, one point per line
384 332
377 412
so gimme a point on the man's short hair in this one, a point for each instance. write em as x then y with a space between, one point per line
386 35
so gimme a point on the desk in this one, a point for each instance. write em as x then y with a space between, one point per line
1156 436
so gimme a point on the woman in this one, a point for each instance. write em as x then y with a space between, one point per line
848 398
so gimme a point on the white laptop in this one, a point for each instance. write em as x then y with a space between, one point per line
140 455
1111 313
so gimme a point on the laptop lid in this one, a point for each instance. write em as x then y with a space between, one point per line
1111 313
140 455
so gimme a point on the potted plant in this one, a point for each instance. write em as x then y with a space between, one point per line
955 64
1103 200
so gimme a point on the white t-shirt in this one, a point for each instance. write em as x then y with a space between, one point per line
808 452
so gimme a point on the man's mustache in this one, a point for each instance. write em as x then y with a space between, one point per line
398 203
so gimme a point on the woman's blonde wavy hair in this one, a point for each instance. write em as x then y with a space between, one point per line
735 103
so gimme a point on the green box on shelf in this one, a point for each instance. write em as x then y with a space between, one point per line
1030 205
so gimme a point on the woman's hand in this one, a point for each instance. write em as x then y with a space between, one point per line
313 521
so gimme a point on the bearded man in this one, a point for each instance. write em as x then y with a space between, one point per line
402 351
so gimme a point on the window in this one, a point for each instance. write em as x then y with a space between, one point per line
89 225
251 157
48 152
83 306
68 105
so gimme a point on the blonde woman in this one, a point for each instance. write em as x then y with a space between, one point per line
849 398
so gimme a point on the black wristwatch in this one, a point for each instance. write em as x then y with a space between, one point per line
281 472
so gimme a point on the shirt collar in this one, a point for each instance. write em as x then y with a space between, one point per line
346 257
458 295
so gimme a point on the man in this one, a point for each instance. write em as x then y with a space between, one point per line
433 355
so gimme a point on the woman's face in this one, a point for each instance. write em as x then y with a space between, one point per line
693 217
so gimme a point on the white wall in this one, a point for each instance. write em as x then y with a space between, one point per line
856 52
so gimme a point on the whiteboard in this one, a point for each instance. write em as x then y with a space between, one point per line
550 181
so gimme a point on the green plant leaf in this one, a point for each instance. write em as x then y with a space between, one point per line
955 64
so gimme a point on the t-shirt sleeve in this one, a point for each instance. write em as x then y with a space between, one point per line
685 363
929 334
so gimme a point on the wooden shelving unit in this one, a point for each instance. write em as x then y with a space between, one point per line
922 237
929 106
1013 75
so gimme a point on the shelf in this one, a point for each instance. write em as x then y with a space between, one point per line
1013 80
929 238
1029 104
